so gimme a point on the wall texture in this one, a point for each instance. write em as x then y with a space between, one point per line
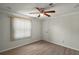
62 30
0 32
6 43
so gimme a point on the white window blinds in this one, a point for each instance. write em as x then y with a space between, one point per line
21 28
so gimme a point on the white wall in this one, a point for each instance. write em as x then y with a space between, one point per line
6 43
0 31
62 30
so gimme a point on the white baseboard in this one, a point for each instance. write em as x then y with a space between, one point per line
17 46
63 45
35 41
12 48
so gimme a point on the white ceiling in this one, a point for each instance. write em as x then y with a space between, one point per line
26 8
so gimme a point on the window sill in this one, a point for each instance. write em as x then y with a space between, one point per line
21 38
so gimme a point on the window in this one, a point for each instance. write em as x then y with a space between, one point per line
21 28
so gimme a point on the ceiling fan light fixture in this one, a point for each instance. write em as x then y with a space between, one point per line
42 14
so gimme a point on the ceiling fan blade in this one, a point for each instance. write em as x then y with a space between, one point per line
50 11
41 10
38 8
46 14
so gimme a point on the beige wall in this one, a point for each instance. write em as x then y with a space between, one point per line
62 30
6 43
0 32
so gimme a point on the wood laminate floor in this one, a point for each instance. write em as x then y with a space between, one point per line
41 48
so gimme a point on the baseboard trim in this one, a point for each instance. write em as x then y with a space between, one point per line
36 41
63 45
17 46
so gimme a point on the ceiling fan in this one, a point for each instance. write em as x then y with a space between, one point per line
44 12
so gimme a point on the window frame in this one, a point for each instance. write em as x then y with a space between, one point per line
12 29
